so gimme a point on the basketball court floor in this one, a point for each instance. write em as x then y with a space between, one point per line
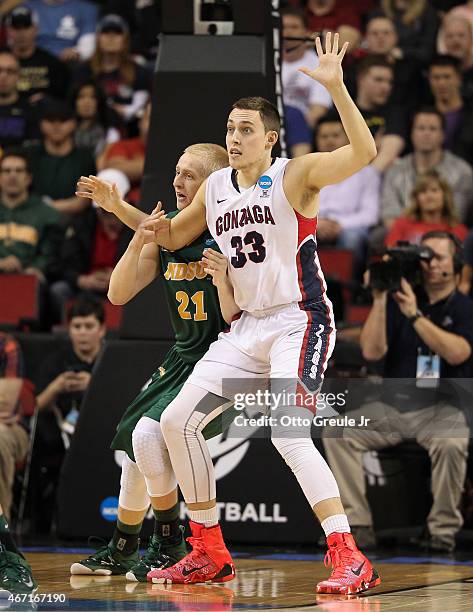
265 581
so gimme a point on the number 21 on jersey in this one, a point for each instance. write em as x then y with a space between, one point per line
197 299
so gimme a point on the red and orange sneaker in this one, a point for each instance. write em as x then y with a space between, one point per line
352 572
209 560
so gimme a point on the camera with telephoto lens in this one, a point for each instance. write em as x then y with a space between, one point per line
402 261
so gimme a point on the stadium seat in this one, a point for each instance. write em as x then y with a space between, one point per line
19 299
337 264
113 315
356 313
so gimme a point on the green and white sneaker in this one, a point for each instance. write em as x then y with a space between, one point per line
161 553
107 561
16 576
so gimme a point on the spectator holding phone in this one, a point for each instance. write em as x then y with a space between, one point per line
62 384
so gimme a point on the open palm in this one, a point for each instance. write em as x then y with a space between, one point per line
329 71
101 192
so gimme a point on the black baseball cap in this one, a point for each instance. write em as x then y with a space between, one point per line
22 17
57 111
112 23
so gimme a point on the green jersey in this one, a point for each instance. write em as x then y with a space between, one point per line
191 296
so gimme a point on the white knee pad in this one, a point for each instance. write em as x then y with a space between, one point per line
133 494
309 467
152 457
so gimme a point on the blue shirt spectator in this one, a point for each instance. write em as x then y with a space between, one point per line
66 27
298 133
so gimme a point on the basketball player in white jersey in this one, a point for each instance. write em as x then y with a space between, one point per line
262 214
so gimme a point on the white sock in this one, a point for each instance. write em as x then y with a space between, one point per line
337 523
207 518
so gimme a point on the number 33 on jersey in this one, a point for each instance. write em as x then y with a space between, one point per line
271 248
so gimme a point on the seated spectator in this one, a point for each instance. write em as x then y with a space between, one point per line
17 122
307 95
445 81
66 27
298 133
431 208
414 330
341 16
128 156
126 84
381 40
464 12
95 242
458 42
465 285
62 383
385 120
14 394
57 163
145 21
417 24
30 232
427 136
457 35
41 74
95 119
347 209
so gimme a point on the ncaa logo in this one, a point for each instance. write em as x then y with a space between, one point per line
109 509
265 182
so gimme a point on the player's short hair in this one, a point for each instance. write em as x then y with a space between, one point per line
372 61
212 157
86 305
267 111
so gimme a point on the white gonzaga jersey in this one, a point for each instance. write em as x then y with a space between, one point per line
271 248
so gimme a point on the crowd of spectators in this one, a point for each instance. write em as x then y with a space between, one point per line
74 100
75 90
410 69
75 84
75 81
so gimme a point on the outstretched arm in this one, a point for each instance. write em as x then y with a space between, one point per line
316 170
175 233
108 198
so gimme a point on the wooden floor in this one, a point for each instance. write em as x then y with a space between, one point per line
262 584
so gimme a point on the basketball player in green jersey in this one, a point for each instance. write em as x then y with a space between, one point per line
193 302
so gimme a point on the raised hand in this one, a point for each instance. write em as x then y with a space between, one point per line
329 72
157 221
105 194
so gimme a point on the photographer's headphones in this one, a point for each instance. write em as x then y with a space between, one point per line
458 257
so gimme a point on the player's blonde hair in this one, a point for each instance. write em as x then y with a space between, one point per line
212 157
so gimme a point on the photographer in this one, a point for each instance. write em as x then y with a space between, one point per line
425 337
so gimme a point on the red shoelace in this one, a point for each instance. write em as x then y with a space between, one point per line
339 558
